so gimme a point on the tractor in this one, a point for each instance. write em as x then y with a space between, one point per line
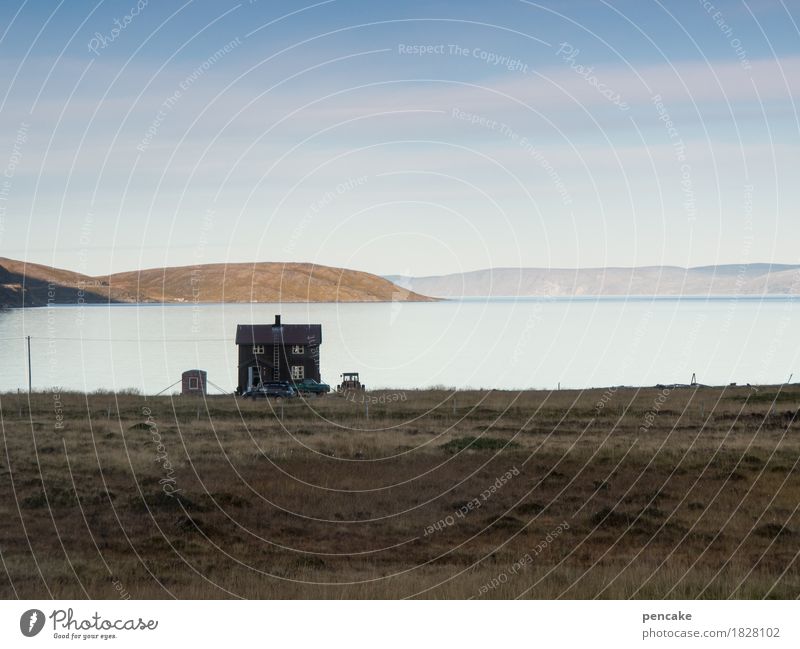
350 381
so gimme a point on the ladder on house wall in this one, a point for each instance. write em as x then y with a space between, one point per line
276 353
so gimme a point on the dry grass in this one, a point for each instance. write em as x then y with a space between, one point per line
316 501
244 282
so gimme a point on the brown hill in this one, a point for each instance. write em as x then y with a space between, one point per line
34 285
23 284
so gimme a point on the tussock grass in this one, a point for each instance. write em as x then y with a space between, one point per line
313 499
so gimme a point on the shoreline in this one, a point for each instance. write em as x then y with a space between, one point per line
777 297
754 389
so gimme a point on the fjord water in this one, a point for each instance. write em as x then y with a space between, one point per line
498 343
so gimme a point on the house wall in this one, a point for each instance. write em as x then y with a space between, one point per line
309 360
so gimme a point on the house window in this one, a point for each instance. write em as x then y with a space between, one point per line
193 383
258 349
298 372
298 349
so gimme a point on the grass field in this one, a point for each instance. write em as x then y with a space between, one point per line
651 493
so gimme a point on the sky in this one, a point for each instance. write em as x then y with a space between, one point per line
413 138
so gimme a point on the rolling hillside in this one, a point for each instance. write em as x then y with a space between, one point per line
747 279
34 285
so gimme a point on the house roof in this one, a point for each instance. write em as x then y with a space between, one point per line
294 334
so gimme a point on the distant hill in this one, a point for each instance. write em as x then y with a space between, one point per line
747 279
34 285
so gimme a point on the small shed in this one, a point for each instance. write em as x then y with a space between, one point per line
193 382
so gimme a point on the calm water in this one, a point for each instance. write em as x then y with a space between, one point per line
500 343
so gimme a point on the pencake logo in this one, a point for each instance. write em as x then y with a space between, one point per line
31 622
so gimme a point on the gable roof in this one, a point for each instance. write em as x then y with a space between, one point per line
296 334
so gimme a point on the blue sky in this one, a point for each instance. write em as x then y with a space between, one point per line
416 138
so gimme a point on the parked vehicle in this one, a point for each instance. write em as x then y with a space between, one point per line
350 381
310 386
271 390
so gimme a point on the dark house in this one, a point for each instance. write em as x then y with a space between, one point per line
277 352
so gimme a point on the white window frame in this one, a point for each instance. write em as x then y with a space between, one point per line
251 379
258 349
194 383
298 372
298 349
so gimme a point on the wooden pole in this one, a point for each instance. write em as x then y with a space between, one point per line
30 378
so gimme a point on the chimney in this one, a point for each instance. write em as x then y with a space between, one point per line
277 321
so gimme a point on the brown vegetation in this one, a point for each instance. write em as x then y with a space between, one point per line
684 494
32 285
